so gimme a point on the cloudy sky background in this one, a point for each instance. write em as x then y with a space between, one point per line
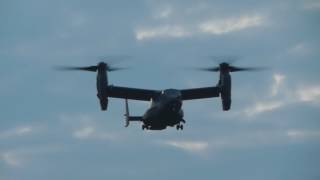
51 125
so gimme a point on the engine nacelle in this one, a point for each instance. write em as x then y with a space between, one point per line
226 102
102 85
225 90
104 104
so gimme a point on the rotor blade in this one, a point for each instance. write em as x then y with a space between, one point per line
235 69
71 68
213 69
110 69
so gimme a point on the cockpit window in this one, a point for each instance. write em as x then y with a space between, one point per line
172 92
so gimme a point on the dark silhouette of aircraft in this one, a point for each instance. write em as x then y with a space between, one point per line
166 105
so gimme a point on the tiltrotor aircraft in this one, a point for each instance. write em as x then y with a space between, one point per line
166 105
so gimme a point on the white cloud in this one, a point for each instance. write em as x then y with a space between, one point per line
161 32
301 49
21 156
278 81
261 107
163 13
85 127
84 133
222 26
309 94
245 140
303 134
11 159
212 27
269 104
306 94
189 146
90 132
19 131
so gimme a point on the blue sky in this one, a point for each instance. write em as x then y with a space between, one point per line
51 125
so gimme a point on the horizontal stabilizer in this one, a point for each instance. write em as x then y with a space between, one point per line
135 118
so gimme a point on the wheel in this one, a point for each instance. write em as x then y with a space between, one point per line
178 127
143 127
181 127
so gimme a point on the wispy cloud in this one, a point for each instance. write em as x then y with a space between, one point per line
16 132
86 127
189 146
302 49
216 26
282 95
303 134
309 94
20 157
278 81
261 107
222 26
269 104
11 159
163 13
167 31
90 132
244 140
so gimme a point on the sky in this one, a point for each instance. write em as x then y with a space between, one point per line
52 126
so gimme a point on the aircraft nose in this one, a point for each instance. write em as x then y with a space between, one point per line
175 105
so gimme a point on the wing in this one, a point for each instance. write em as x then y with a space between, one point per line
200 93
132 93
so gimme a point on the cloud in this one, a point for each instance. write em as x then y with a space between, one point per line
166 31
309 94
302 49
269 104
189 146
222 26
16 132
20 156
217 26
163 13
90 132
306 94
303 134
11 159
85 132
261 107
245 140
86 127
278 81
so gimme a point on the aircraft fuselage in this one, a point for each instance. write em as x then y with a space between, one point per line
165 111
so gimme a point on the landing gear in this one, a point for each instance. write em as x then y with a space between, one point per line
144 127
179 127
